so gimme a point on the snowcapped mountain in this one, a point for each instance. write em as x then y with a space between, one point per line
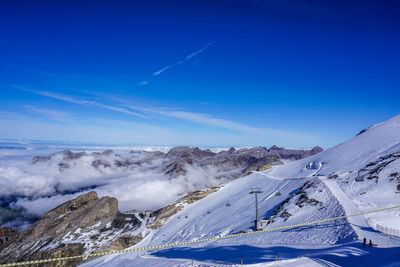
361 174
92 222
150 179
363 171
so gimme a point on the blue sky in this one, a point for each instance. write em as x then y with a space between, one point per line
294 73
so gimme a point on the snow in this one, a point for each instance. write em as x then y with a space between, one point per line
351 155
334 243
346 160
302 261
359 223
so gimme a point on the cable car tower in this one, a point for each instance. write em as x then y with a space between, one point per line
257 223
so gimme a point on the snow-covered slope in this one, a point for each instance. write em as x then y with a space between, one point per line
363 172
352 155
357 175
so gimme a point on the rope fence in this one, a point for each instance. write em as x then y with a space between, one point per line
86 256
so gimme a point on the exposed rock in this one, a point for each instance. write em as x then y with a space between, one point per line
66 155
230 164
372 170
160 216
7 235
177 168
108 152
98 162
285 215
293 154
364 130
264 167
185 151
305 200
299 198
333 176
125 241
37 159
83 225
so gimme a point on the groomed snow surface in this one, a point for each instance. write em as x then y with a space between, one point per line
322 186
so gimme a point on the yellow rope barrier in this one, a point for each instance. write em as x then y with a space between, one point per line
190 242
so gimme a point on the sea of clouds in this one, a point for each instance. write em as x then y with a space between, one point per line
35 188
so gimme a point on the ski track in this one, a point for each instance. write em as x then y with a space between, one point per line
326 244
358 223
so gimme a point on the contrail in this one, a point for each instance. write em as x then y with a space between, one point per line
183 60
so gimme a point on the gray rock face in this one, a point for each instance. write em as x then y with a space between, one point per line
241 161
300 198
66 155
364 130
293 154
157 218
83 225
372 170
185 151
7 235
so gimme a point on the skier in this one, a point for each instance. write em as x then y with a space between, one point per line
364 241
370 243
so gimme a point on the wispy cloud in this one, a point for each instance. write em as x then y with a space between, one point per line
64 98
11 115
210 120
120 109
55 115
147 112
82 102
200 118
188 57
85 128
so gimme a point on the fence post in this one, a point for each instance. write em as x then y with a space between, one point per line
241 259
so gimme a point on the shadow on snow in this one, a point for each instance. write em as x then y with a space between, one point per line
351 254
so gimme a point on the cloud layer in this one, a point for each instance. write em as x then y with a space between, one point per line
39 187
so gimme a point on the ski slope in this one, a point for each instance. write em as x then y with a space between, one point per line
318 187
347 160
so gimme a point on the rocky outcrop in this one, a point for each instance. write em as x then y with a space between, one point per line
230 164
159 217
243 160
185 151
293 154
85 224
364 130
7 235
372 170
300 198
66 155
